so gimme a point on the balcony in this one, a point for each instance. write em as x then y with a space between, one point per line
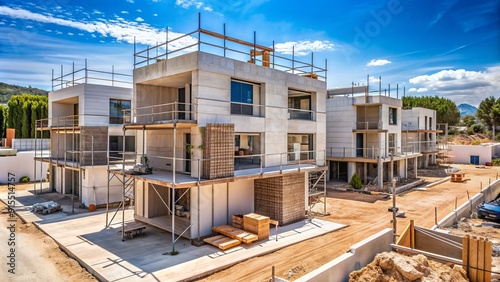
300 114
162 113
371 153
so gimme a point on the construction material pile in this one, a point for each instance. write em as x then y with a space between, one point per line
46 207
392 266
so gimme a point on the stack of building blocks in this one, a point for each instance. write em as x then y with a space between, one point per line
222 242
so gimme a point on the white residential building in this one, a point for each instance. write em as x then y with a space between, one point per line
225 132
85 124
419 130
364 137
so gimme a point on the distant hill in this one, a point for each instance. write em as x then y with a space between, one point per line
8 90
467 110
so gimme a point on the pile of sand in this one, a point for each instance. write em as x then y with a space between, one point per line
391 266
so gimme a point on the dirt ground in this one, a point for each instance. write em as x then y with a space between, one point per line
366 215
38 257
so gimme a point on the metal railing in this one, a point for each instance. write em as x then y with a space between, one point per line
90 76
368 125
301 114
370 152
76 120
226 46
161 112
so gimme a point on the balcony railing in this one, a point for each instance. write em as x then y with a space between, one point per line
367 125
424 146
370 153
159 113
73 121
300 114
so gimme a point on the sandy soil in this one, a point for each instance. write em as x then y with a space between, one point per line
366 216
38 257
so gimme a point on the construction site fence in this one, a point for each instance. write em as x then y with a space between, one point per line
223 45
488 193
358 256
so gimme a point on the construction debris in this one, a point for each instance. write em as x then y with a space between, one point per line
392 266
46 207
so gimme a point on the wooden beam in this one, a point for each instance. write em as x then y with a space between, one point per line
465 254
473 248
487 260
480 259
232 39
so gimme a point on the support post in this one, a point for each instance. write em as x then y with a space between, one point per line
172 208
394 224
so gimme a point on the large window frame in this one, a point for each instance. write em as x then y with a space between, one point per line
115 146
242 98
116 107
299 105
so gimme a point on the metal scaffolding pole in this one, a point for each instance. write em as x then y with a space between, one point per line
123 190
172 208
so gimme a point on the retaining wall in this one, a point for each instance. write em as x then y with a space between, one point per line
358 256
487 194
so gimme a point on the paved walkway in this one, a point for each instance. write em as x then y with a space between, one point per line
101 251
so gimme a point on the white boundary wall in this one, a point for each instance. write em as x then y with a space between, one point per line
358 256
487 194
21 165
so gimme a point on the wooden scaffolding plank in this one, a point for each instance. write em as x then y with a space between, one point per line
222 242
236 233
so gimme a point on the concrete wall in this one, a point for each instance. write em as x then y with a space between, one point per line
414 118
460 154
488 193
21 165
358 256
25 144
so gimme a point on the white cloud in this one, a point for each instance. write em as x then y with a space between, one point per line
418 90
139 19
198 4
123 31
93 35
378 62
461 86
130 1
302 48
70 33
139 10
155 15
29 26
124 12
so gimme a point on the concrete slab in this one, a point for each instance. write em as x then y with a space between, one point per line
101 251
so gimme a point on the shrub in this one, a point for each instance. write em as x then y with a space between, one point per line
475 128
476 142
497 137
356 181
24 179
496 162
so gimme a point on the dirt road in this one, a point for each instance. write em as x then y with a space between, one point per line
36 256
366 215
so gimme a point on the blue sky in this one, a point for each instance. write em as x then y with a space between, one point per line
449 48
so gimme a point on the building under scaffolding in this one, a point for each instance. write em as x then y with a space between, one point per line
223 126
85 124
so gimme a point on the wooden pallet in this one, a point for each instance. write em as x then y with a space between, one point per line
236 233
222 242
133 229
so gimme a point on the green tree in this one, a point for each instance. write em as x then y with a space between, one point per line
468 120
23 111
3 112
488 113
446 110
356 181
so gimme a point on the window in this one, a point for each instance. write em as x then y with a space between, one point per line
116 108
241 98
393 116
116 146
300 147
392 143
299 105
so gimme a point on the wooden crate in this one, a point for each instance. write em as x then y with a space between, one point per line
238 221
257 224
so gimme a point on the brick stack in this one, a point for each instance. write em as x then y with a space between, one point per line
219 150
281 198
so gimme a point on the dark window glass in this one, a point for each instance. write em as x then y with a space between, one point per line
116 108
241 94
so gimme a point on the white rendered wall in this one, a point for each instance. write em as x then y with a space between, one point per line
94 187
241 201
22 164
460 154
